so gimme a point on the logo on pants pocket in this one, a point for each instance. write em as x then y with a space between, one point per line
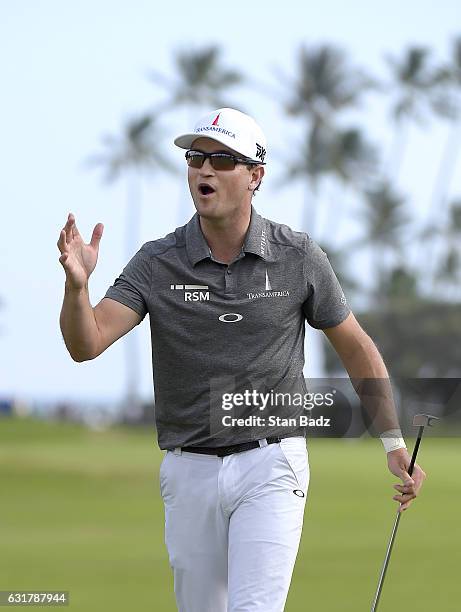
294 452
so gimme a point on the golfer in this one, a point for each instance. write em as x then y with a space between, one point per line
228 295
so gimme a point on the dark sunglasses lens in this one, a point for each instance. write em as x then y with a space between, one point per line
222 162
195 159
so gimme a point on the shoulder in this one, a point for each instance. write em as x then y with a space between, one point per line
283 235
160 246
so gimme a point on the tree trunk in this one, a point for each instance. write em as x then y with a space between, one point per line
397 151
186 208
309 213
439 204
314 348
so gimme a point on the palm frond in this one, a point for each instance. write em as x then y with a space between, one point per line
353 158
137 146
414 78
384 215
325 83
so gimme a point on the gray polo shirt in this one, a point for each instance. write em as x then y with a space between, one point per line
228 340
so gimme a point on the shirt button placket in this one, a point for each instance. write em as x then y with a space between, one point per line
229 280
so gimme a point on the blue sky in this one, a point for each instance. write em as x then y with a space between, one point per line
74 71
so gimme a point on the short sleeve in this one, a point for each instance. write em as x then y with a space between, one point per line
132 287
325 305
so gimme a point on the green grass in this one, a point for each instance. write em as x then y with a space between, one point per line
81 511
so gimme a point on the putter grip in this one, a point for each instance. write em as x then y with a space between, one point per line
415 451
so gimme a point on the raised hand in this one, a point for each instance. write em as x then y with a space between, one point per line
77 258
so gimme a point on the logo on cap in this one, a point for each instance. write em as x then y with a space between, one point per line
260 151
214 127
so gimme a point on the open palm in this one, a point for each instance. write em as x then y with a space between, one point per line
77 258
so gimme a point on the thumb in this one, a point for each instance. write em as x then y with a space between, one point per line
405 476
97 234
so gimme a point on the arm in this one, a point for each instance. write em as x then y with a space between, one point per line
370 379
87 331
366 370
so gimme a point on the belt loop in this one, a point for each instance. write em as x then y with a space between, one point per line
177 450
262 443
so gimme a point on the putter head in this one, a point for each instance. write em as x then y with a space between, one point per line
422 420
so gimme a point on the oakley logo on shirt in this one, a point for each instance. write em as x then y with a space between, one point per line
231 317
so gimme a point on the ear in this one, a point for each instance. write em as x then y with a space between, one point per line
256 175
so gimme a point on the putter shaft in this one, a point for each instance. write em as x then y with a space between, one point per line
374 605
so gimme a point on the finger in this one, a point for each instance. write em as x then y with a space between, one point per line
68 226
70 219
406 478
402 499
71 227
418 475
74 229
62 243
63 260
97 234
405 488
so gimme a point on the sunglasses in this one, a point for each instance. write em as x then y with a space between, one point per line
218 161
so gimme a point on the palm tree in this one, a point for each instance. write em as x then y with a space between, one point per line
312 162
448 268
201 82
412 84
324 86
447 104
353 159
132 154
343 155
354 162
400 284
384 218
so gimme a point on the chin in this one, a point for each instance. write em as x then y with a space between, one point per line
208 208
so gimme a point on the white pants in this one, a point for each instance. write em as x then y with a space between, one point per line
233 525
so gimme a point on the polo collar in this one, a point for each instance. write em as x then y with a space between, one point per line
256 239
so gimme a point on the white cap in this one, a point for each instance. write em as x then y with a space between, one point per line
232 128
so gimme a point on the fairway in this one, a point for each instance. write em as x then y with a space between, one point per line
81 511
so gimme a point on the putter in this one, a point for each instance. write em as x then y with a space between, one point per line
419 420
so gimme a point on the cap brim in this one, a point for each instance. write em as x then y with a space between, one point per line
185 141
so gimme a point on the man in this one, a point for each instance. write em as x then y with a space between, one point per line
227 296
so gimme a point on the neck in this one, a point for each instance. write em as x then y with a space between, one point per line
225 236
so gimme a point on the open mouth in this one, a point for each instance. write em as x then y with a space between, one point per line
205 189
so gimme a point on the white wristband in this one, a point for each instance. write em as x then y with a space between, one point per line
392 439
